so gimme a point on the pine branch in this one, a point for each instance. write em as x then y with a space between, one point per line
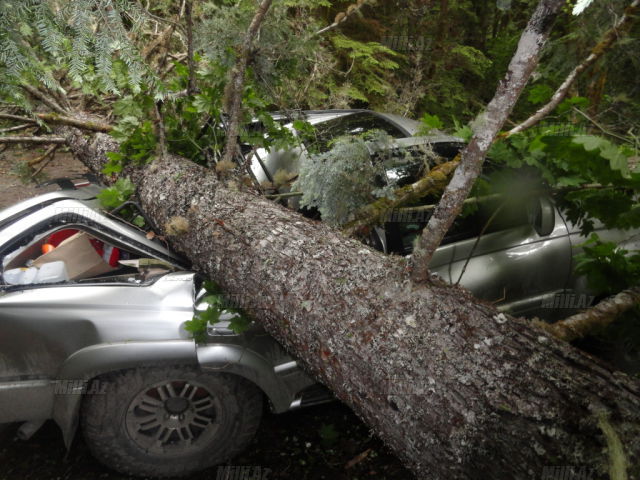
605 44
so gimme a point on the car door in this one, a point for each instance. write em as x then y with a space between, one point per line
517 263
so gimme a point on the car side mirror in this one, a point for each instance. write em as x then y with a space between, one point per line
542 216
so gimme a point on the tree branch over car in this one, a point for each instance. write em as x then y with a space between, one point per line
487 127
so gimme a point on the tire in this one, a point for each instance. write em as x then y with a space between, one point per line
168 422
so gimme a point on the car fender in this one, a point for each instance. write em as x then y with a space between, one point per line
281 381
96 360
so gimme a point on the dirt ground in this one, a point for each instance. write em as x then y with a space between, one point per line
322 442
290 446
12 190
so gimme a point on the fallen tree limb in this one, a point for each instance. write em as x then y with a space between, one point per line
157 42
94 125
25 139
379 211
33 162
48 157
17 118
48 101
583 323
16 128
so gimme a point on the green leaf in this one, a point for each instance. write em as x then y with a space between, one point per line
569 103
116 195
501 152
240 324
589 142
109 198
540 94
570 181
432 121
213 300
138 221
25 29
464 132
617 160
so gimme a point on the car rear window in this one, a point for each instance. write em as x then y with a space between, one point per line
353 124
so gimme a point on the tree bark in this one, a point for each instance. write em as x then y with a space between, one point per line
456 389
488 124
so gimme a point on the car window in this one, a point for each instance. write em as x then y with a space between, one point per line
54 254
354 124
493 213
496 215
402 235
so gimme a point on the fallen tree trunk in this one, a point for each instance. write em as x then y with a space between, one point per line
454 388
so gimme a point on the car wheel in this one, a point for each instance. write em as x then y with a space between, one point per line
166 422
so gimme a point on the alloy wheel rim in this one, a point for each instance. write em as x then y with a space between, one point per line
173 416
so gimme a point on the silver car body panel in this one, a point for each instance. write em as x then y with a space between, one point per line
72 332
13 212
512 267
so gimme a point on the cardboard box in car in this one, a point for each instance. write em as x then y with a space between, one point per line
79 256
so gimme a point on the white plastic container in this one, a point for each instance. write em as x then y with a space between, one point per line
52 272
20 276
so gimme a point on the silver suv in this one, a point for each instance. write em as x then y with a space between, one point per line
108 350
